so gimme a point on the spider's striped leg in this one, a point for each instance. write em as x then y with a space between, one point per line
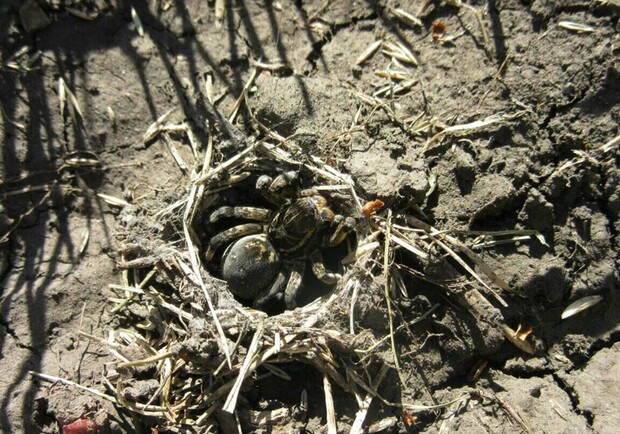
278 190
344 227
241 212
272 292
294 283
229 235
319 270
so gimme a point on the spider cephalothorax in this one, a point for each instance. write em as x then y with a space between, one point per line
265 260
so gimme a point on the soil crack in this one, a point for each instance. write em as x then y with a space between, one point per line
11 332
574 399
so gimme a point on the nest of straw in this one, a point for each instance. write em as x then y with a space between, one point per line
189 350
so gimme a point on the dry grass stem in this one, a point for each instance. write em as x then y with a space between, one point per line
231 401
332 426
593 157
387 258
53 379
175 153
465 128
246 87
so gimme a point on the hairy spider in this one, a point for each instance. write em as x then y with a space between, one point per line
265 258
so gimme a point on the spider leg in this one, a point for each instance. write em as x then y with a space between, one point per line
344 226
273 291
280 189
231 234
319 270
241 212
294 284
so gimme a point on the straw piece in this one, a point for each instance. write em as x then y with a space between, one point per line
458 129
332 427
155 128
147 361
244 91
53 379
360 417
195 262
231 401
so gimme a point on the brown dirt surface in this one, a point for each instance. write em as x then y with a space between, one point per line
546 159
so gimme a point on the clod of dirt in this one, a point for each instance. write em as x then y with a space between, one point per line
539 402
297 103
490 196
544 278
140 389
537 212
596 388
381 176
33 18
586 243
386 167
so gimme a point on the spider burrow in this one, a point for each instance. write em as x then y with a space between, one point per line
265 257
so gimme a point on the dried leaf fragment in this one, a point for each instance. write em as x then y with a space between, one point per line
74 103
382 425
438 29
408 418
156 127
580 305
372 207
79 426
519 338
81 14
477 370
398 51
220 12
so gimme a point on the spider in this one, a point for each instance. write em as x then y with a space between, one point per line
266 258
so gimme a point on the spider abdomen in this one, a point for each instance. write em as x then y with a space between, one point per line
249 265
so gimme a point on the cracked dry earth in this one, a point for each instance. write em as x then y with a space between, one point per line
548 162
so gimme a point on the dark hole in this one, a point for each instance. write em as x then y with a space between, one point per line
245 194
